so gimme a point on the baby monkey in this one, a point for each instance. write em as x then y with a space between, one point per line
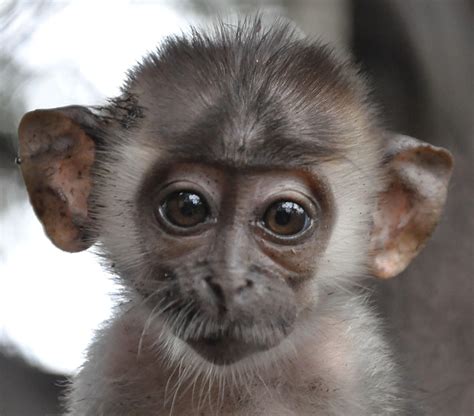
240 188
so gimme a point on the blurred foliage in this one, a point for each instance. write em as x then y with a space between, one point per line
18 20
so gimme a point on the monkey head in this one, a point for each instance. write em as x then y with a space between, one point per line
237 183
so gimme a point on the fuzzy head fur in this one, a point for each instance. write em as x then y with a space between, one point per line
243 97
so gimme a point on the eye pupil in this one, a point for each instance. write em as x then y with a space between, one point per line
284 212
286 218
184 209
189 204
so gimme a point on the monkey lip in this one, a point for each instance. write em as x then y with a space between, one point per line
230 341
225 350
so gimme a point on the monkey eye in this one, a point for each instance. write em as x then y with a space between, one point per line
286 218
184 209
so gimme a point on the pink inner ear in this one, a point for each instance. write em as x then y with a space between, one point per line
396 235
409 209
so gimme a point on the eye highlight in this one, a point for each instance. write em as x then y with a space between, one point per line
286 218
184 209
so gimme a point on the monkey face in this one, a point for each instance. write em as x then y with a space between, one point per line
230 253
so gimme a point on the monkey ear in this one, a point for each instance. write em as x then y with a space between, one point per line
56 155
410 206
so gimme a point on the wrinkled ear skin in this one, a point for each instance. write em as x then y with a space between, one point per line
411 204
56 157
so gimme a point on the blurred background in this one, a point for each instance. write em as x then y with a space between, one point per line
419 57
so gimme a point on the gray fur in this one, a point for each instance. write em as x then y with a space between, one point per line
244 96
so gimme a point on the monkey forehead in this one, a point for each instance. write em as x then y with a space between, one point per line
234 135
249 93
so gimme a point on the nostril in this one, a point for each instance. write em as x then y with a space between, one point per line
216 291
247 284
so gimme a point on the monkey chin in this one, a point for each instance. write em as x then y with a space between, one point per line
224 340
225 351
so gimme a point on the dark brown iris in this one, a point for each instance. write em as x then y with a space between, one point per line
286 218
184 209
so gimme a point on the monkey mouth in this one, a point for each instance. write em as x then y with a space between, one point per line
224 349
227 340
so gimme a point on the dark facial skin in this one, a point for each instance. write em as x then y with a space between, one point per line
233 250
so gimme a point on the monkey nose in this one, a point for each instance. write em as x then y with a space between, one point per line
224 296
